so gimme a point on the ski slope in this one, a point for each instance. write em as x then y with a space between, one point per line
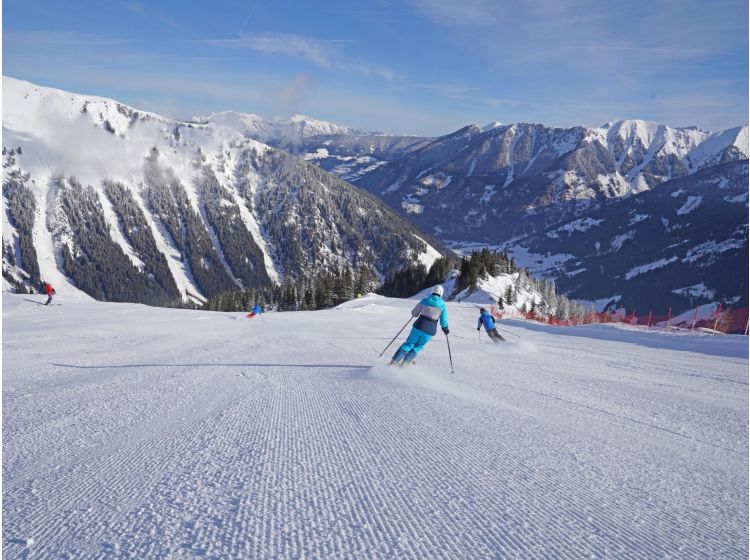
138 432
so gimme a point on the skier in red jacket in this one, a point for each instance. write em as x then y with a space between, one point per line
50 291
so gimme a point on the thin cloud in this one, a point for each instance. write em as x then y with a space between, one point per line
465 12
496 102
290 96
153 15
324 53
450 91
319 52
61 39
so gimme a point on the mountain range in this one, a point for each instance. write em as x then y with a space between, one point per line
126 205
632 213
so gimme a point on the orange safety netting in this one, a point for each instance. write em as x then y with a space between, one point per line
724 320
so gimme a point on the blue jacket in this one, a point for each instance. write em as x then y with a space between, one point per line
428 311
256 309
486 318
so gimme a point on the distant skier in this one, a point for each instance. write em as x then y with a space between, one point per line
50 291
256 310
428 311
489 325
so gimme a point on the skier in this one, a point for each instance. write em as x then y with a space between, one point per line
256 310
50 290
428 311
489 325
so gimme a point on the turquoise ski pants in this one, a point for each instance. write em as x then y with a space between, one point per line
413 345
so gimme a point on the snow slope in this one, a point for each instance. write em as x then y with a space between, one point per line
132 431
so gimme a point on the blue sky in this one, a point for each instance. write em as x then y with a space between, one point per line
418 66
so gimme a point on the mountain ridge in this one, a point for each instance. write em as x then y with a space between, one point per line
512 185
223 210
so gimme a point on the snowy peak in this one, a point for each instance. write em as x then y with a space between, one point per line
719 147
645 140
629 130
278 131
315 127
29 107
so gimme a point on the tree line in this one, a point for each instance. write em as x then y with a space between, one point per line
322 291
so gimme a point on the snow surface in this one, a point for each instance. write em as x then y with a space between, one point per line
711 248
617 241
638 218
582 224
537 264
429 256
741 198
140 432
636 270
696 290
691 204
491 126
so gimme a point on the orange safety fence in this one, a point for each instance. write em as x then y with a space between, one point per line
713 318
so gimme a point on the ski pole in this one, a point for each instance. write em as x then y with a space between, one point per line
514 334
479 335
449 352
395 337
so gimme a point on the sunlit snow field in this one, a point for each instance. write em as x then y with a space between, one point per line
139 432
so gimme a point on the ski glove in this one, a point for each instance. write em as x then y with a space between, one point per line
446 331
478 328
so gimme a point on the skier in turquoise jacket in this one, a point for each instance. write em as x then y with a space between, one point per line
489 325
428 312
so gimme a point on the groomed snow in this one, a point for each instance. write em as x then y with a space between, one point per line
139 432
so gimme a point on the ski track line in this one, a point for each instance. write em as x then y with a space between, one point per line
90 433
576 404
135 457
405 507
315 485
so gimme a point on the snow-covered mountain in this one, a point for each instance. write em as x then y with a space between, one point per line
678 245
515 185
456 185
345 151
280 131
127 205
523 176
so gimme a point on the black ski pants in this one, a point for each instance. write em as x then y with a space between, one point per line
494 335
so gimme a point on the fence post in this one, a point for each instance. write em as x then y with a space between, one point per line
718 314
650 314
695 316
669 320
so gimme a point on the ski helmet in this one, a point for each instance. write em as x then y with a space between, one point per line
482 310
438 290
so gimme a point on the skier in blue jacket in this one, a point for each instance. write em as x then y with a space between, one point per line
489 325
428 311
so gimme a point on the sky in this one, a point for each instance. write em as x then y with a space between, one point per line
425 67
